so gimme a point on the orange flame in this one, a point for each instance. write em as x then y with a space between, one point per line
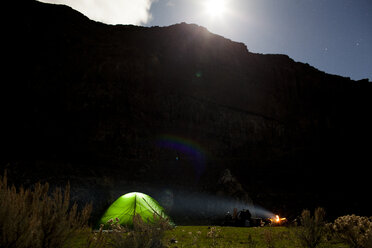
277 219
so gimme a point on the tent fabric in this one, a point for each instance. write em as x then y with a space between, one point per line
131 204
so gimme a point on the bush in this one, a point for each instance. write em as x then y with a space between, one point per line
354 230
97 239
34 218
312 230
141 235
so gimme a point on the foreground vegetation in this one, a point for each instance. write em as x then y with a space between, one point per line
203 236
270 237
38 218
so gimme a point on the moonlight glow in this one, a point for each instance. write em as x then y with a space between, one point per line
215 8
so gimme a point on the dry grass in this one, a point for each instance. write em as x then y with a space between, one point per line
140 235
33 218
312 231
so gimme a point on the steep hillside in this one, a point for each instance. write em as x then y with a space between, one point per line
115 108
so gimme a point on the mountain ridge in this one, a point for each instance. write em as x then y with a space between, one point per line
88 101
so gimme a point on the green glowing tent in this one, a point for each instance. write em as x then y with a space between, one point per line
131 204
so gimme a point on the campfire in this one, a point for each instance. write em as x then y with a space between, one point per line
278 220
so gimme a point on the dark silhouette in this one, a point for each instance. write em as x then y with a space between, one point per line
244 218
89 103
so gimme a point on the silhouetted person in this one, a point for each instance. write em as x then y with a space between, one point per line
244 217
235 214
228 219
228 216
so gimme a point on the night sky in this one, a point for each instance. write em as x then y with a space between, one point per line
334 36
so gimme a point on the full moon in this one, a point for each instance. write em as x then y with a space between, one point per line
215 8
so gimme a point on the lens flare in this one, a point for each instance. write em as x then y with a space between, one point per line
186 149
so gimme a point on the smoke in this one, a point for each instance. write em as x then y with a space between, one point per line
111 11
197 205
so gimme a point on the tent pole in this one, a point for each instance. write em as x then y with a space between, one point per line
135 205
152 208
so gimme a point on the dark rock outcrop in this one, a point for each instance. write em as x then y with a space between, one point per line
175 106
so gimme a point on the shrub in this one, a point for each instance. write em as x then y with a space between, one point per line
34 218
354 230
141 235
97 239
312 230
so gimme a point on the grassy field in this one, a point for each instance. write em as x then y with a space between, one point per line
204 236
223 237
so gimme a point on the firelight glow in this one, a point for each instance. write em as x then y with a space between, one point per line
215 8
277 220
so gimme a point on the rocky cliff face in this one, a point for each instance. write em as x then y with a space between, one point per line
176 106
